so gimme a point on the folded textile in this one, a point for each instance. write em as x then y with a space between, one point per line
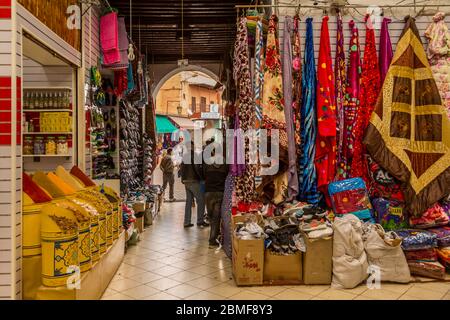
422 255
435 216
427 269
109 38
443 235
123 47
390 214
444 256
417 239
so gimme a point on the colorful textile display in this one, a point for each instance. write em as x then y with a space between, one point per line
351 103
259 72
226 209
350 196
382 184
390 214
409 135
443 235
325 159
434 216
370 88
422 255
308 181
297 88
444 257
275 188
341 77
109 38
34 191
427 269
288 110
386 53
438 52
123 47
417 239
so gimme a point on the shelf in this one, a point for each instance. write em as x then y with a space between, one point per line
46 155
47 88
42 133
47 110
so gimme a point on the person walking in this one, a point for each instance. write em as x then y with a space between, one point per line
191 176
215 175
167 167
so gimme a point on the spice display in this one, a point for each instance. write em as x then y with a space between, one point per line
28 146
50 146
39 146
65 224
62 146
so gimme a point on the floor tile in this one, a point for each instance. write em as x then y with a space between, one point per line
203 270
333 294
129 271
396 287
146 277
434 286
161 296
204 283
151 265
163 284
109 292
290 294
167 271
382 294
204 295
248 295
122 285
221 275
185 276
313 290
183 291
225 290
118 296
140 292
425 294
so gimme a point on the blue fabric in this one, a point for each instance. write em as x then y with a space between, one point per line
308 180
130 78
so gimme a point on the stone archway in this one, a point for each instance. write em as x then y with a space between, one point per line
175 71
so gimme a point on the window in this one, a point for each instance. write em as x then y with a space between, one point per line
193 105
202 104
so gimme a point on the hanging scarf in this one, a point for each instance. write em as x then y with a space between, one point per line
438 52
259 71
370 88
325 159
385 48
409 132
275 188
288 110
297 89
308 181
340 75
245 183
351 102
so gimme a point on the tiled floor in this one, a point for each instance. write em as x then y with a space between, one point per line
173 263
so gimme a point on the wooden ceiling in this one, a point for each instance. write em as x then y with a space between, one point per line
209 27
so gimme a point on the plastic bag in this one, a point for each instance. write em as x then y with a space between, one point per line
427 269
350 196
349 258
433 217
384 251
422 255
390 214
417 239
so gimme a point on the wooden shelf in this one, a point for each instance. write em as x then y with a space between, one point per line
46 155
43 133
47 88
47 110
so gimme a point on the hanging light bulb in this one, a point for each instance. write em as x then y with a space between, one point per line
131 55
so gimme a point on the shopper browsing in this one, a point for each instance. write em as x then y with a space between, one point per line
167 167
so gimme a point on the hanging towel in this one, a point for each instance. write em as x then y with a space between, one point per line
123 47
259 72
370 88
409 132
341 77
308 187
109 38
245 183
351 103
288 110
438 51
297 90
385 48
325 159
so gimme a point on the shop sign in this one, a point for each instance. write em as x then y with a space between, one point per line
210 115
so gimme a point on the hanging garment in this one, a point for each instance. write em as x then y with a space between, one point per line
386 53
370 88
238 160
226 209
274 187
325 159
438 51
409 133
340 76
245 183
288 110
259 72
109 38
351 102
297 88
123 47
308 181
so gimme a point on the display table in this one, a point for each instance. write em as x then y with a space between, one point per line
93 282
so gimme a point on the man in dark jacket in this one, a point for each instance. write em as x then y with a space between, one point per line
167 167
215 176
191 176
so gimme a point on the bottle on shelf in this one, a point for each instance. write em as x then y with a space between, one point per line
28 146
31 126
39 146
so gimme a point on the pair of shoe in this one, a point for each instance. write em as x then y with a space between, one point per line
203 224
190 225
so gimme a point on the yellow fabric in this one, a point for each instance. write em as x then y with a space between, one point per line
64 187
68 178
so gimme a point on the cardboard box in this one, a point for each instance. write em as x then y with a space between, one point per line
140 224
248 261
282 267
317 261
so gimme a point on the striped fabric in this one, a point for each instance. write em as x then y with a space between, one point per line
259 74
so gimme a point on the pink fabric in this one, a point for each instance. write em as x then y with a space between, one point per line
123 48
109 38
